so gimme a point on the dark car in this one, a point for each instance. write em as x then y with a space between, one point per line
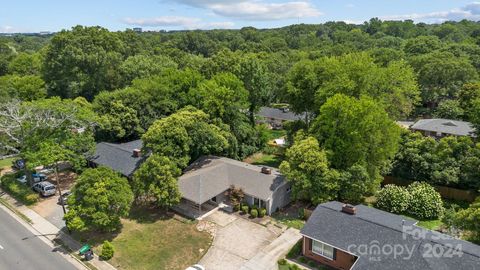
18 164
64 197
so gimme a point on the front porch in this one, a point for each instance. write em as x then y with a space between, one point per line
195 210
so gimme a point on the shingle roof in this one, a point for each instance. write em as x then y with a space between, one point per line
280 114
118 157
210 175
372 227
446 126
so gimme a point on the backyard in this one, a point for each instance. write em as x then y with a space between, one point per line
7 162
150 239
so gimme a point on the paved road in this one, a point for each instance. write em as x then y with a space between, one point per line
22 250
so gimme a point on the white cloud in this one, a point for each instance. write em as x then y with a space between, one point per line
177 21
470 12
7 29
258 10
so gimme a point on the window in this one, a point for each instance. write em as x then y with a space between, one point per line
322 249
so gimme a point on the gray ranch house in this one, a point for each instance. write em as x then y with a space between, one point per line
205 184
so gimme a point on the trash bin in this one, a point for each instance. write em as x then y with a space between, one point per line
88 255
84 249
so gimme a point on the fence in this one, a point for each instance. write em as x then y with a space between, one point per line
445 192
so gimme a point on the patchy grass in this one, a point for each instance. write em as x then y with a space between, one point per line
430 224
290 221
267 160
275 134
6 162
19 191
150 239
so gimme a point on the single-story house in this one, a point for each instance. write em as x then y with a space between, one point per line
209 179
124 158
276 117
439 128
364 238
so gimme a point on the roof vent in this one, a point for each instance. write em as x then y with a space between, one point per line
137 153
450 123
266 170
349 209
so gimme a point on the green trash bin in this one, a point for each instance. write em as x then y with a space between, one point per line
84 249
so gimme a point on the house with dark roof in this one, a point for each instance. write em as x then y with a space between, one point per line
439 128
276 117
364 238
124 158
208 180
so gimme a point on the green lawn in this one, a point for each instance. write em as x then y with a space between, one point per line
267 160
155 241
293 222
430 224
6 162
275 134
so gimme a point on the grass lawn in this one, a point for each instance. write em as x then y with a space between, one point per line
150 240
430 224
267 160
6 162
275 134
289 221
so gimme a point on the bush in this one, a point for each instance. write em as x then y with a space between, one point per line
107 250
262 212
301 213
254 213
282 262
245 209
294 267
311 263
425 201
19 191
295 251
236 207
394 199
302 259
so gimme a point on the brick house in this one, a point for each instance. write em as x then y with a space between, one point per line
364 238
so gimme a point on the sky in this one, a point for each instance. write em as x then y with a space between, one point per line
55 15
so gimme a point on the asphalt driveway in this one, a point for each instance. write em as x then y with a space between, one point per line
238 243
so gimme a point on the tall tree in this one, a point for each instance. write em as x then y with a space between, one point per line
157 179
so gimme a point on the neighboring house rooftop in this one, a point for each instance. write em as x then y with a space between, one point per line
210 175
370 226
280 114
118 157
445 126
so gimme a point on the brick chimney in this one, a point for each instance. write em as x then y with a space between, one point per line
349 209
137 152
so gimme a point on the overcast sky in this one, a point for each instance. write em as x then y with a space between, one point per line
54 15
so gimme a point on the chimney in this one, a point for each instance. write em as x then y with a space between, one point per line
266 170
349 209
137 153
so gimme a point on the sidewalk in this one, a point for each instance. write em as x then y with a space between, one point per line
52 233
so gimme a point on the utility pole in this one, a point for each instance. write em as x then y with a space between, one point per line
59 188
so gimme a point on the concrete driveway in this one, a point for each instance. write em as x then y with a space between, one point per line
239 244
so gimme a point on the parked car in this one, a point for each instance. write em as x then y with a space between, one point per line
64 197
45 188
39 177
22 179
196 267
18 164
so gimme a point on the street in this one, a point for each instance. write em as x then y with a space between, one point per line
22 250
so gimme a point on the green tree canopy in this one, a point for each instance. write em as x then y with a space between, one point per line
25 88
99 199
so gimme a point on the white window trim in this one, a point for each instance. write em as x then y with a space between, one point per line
323 246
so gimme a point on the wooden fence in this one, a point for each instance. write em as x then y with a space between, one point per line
445 192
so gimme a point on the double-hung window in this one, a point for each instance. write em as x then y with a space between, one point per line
322 249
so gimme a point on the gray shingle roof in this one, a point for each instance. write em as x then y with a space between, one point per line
118 157
328 224
210 175
446 126
279 114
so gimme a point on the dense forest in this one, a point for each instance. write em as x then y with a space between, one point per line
213 82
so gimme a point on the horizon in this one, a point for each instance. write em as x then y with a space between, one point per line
179 15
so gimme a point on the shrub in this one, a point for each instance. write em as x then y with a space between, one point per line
254 213
302 259
236 207
294 267
301 213
425 201
311 263
245 209
107 250
18 190
394 199
282 262
295 250
262 212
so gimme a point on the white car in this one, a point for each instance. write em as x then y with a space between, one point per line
22 179
45 188
196 267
